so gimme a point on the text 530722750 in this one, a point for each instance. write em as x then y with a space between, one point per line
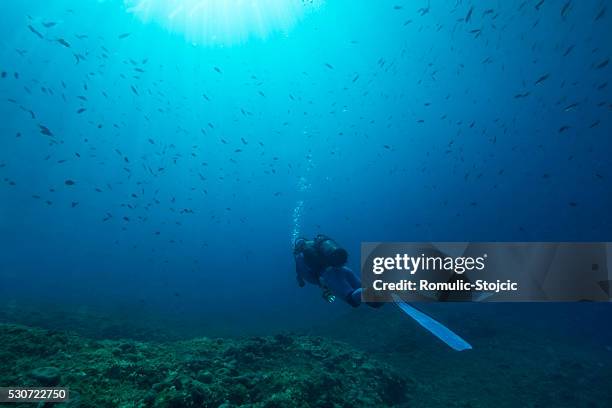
33 394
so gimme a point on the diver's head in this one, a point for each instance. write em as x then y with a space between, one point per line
298 245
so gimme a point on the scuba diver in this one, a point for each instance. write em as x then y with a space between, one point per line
321 262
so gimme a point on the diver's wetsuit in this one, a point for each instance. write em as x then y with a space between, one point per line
341 281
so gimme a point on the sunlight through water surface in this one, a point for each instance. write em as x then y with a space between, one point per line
223 22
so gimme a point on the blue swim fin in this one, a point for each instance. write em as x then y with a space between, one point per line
436 328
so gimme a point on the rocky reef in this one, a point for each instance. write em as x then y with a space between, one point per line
285 370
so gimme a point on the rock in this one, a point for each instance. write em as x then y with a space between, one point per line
128 347
46 376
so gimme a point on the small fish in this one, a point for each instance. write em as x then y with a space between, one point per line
603 64
469 14
81 110
423 10
124 35
330 66
542 79
45 130
49 24
32 29
566 9
537 6
595 124
69 182
74 204
78 57
571 106
218 70
63 42
564 128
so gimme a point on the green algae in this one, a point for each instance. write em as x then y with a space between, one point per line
277 371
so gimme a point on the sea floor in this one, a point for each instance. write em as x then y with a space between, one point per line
523 356
276 371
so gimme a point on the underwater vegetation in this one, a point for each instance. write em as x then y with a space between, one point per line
279 371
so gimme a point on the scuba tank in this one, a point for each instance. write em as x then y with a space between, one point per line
333 254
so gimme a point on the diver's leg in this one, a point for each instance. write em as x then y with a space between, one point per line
355 283
338 283
345 285
351 278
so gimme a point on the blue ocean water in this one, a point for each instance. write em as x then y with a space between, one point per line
407 124
152 171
